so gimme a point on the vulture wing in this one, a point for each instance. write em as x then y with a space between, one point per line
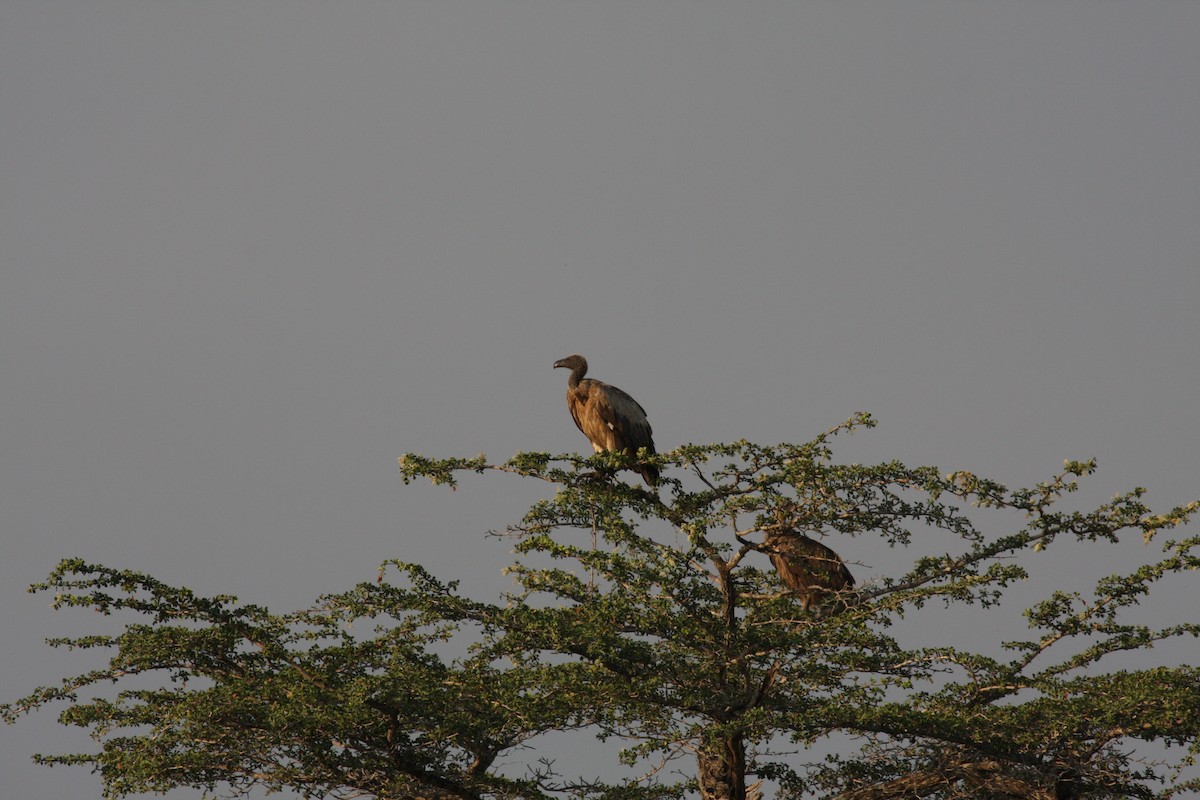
625 418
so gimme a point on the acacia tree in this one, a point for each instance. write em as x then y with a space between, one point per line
647 616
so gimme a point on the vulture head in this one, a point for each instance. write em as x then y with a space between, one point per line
575 362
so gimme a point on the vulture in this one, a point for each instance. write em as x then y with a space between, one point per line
810 569
610 419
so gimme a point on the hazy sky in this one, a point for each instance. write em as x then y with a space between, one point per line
250 253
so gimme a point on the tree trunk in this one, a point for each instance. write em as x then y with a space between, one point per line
722 767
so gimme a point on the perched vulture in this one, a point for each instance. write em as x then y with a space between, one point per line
810 569
610 419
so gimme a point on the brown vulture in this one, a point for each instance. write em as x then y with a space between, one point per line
610 419
810 569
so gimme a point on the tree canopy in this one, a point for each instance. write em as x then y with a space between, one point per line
651 618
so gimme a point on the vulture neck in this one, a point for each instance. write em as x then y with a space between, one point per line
576 376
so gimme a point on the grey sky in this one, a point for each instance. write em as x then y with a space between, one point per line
250 253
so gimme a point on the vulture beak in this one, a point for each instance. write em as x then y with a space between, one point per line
559 363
